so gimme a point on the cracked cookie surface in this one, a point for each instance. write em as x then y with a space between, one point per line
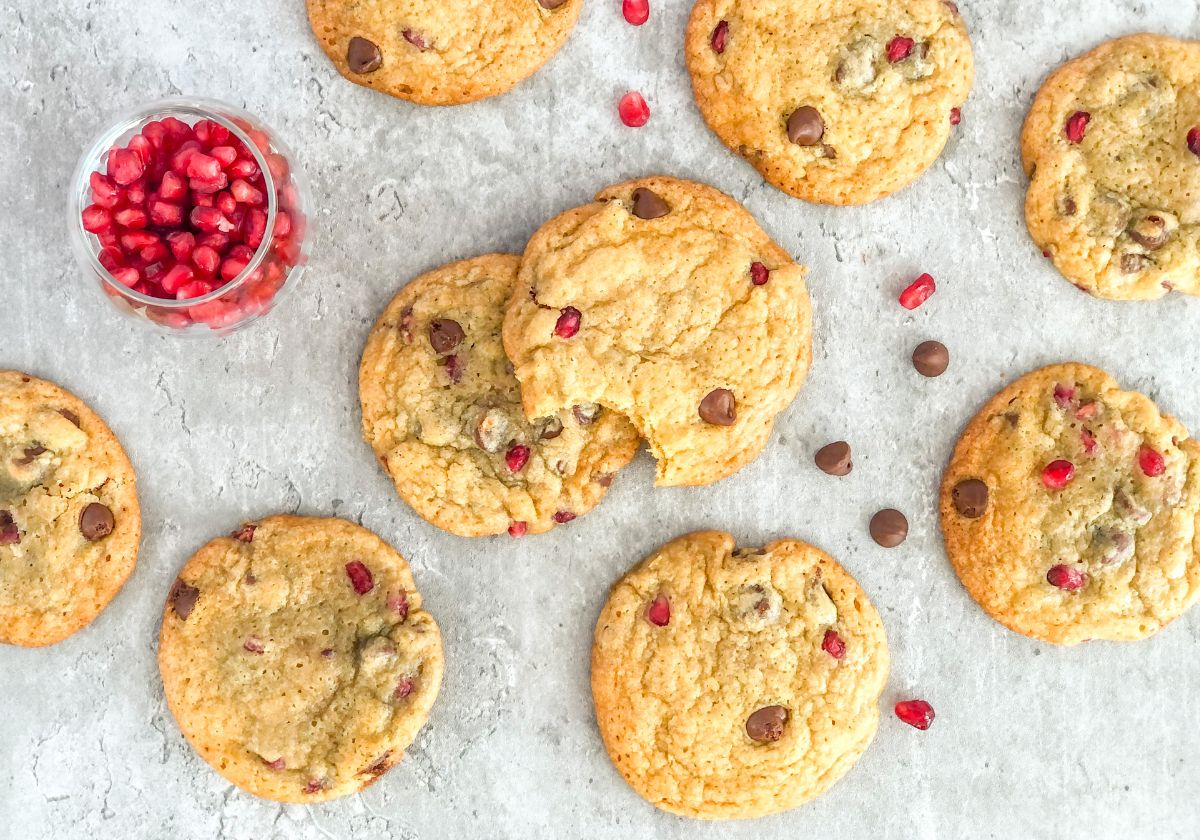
1112 149
665 301
837 103
296 657
70 523
442 410
1069 509
441 54
732 684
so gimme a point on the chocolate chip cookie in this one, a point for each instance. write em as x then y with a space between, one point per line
441 54
1112 150
665 302
736 683
70 523
838 103
1069 509
297 659
442 410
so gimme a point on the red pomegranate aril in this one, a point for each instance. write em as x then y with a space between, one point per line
226 203
360 577
225 154
1151 461
111 258
633 109
231 267
153 252
1088 440
172 187
217 241
1076 126
254 227
209 185
176 277
759 274
210 220
955 116
917 292
104 192
720 37
287 250
916 713
416 39
97 219
176 128
518 529
899 48
1193 140
1066 577
563 516
1058 474
278 166
241 192
242 168
1064 396
183 155
215 134
155 132
658 612
143 147
204 200
166 214
636 12
833 644
206 259
568 321
1087 411
516 458
181 244
283 224
109 239
127 276
194 289
279 763
137 240
135 193
125 166
255 645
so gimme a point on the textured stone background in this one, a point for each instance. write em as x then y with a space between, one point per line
1030 741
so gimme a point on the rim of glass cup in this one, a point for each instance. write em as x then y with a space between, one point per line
132 121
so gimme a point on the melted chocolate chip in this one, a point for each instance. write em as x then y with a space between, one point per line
444 335
931 358
96 521
1133 263
889 528
551 428
551 4
30 453
648 204
585 413
834 458
70 415
363 56
970 497
767 724
805 126
719 407
183 598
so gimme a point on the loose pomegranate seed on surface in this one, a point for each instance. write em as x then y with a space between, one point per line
636 12
516 458
658 612
916 713
720 37
1076 126
1193 140
759 274
1066 577
568 322
518 529
1058 474
917 292
633 109
1151 461
955 116
833 644
360 577
899 48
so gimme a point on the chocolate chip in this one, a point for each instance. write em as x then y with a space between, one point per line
96 521
30 453
834 458
719 407
183 598
1013 418
766 725
889 528
10 534
586 413
417 39
551 428
363 56
444 335
1152 230
551 4
493 430
805 126
931 358
1133 263
970 497
70 415
648 204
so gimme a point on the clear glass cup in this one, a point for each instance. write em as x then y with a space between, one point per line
277 262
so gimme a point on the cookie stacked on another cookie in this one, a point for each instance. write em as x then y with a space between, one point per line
441 54
1070 509
838 103
70 523
442 410
665 302
296 657
736 683
1112 149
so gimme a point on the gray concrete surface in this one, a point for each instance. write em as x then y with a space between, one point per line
1030 741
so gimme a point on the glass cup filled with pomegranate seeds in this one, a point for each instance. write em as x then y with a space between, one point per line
190 216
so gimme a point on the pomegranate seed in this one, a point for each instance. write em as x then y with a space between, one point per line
96 219
155 132
568 322
416 39
287 250
137 240
633 109
216 241
231 267
225 202
636 12
759 274
176 277
195 289
176 128
833 644
125 166
242 168
720 36
206 259
182 156
277 764
403 688
127 276
111 258
181 244
104 193
1077 125
135 193
225 154
518 529
1066 577
1058 474
278 166
1064 396
314 786
899 48
1088 440
955 116
165 214
142 147
360 577
254 227
659 611
210 219
204 200
1193 140
172 187
916 713
241 192
397 602
1087 411
246 534
253 645
134 218
283 224
1151 461
563 516
516 458
209 185
917 292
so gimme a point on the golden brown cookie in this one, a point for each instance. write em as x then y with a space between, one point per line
1069 509
736 683
438 53
70 523
442 410
297 659
839 103
666 302
1112 149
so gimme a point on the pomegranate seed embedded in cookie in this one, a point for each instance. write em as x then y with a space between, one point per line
568 322
833 644
360 577
1066 577
1151 462
720 36
899 48
759 274
1076 126
1058 474
916 713
518 529
659 611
